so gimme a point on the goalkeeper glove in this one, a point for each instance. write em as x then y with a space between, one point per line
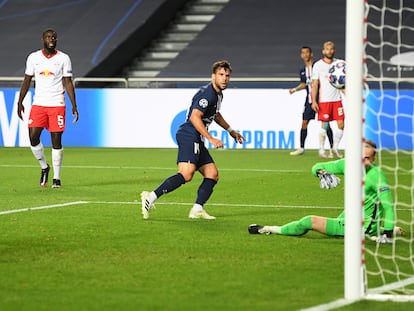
383 239
327 180
386 237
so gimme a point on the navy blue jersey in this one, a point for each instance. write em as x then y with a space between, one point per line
305 74
206 100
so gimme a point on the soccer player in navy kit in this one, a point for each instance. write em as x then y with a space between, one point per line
192 154
305 74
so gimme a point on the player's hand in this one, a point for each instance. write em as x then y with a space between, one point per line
315 107
327 180
75 115
238 137
384 239
217 143
20 111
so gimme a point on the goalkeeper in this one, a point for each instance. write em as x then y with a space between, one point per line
379 215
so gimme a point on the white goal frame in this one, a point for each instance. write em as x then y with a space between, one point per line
354 283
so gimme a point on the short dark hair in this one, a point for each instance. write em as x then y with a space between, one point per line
48 30
221 64
306 47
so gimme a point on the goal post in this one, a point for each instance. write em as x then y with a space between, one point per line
354 53
379 106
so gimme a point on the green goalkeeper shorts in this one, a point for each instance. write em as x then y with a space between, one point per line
335 227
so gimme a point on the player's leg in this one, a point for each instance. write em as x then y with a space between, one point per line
57 157
303 135
322 139
56 126
308 114
339 117
187 159
39 121
328 226
298 227
324 115
329 134
210 173
185 173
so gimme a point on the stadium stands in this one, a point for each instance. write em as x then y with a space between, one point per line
260 38
92 32
263 38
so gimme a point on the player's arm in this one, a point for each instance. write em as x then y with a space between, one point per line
315 87
334 167
196 119
70 89
387 202
223 123
23 91
299 87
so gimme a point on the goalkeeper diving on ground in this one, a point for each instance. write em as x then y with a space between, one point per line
379 213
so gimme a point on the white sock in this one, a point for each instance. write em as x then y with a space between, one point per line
57 157
39 153
272 229
322 138
197 207
152 197
337 138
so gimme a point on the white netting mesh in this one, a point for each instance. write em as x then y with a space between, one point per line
389 121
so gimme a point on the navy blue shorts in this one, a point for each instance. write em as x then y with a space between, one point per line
192 151
308 112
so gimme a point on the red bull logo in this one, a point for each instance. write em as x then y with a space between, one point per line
46 73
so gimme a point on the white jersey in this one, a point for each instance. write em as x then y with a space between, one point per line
327 93
48 73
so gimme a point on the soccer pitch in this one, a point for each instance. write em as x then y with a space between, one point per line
86 247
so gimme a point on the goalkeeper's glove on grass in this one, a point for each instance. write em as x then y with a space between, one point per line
386 237
327 180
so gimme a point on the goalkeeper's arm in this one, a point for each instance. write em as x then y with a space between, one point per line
335 167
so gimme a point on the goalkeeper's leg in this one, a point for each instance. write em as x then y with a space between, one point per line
299 227
328 226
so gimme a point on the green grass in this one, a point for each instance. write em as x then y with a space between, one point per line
98 254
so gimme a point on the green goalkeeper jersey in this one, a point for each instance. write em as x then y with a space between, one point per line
378 200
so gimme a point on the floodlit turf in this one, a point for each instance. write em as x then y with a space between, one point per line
86 247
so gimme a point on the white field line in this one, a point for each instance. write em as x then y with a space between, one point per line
41 207
27 209
152 168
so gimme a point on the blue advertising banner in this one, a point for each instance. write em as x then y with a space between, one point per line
149 118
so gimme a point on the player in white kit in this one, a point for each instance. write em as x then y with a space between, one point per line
52 70
326 99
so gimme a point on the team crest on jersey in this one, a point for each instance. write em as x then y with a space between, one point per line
203 102
46 73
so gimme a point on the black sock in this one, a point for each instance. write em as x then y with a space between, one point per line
329 133
205 190
170 184
303 135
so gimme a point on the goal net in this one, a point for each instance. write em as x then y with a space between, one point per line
385 271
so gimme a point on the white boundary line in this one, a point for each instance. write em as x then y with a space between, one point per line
158 203
168 203
42 207
153 168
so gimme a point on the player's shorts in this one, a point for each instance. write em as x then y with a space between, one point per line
335 226
331 111
192 151
50 118
308 112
